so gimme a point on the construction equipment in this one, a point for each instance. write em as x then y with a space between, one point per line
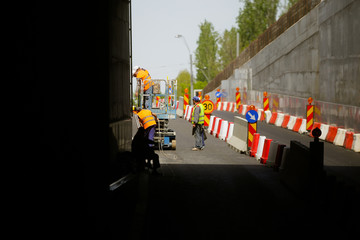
163 104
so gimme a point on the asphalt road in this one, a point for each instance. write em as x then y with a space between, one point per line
339 161
218 193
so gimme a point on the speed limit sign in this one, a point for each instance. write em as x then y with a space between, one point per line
208 106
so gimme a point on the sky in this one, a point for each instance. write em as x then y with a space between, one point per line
155 23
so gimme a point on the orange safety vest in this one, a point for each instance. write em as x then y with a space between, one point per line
146 118
144 75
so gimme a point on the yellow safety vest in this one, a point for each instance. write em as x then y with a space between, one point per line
144 75
201 116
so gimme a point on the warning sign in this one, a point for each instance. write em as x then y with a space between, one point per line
208 106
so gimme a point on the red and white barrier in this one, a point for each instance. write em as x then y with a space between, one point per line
340 137
260 148
356 143
279 119
211 124
229 131
223 130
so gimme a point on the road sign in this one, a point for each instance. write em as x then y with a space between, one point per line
252 116
208 106
218 94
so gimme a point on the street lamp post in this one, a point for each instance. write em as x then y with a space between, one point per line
191 72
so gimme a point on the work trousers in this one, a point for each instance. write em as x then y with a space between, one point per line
199 135
148 99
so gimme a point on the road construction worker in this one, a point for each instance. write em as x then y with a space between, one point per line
144 77
197 120
148 121
143 142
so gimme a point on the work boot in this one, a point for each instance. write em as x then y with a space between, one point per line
195 149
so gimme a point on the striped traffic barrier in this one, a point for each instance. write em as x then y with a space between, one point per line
265 153
302 128
292 121
188 116
255 144
324 131
216 125
349 138
356 143
223 130
207 120
186 111
186 98
297 124
251 132
261 114
218 128
229 132
309 115
211 124
240 109
285 121
273 118
272 153
330 137
267 116
244 110
340 137
260 147
279 120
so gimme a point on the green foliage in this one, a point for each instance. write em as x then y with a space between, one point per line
227 43
200 84
206 52
255 18
183 81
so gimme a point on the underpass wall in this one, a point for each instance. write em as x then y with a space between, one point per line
318 57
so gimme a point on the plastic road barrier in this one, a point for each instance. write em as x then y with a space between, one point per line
330 137
285 121
267 116
265 154
223 130
279 119
211 124
292 122
272 153
273 118
229 131
324 131
260 147
356 143
349 138
255 145
340 137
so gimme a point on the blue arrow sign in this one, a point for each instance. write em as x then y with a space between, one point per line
218 94
252 116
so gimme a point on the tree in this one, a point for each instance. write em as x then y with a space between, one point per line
255 18
227 43
183 81
206 53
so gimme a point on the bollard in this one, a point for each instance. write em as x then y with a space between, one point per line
186 99
309 115
251 131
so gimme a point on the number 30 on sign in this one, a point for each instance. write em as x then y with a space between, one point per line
208 106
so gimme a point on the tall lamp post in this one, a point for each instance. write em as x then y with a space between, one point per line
191 72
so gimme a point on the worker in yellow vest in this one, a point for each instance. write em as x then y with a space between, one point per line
148 122
143 76
197 120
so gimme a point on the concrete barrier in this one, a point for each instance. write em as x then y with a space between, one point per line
340 137
272 153
279 120
279 156
284 158
260 148
356 143
238 140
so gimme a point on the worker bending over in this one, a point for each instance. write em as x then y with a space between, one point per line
143 143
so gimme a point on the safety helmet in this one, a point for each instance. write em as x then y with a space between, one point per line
134 69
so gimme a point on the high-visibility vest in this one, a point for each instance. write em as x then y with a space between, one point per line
146 118
144 75
201 116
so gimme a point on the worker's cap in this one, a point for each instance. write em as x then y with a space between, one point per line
196 99
134 69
